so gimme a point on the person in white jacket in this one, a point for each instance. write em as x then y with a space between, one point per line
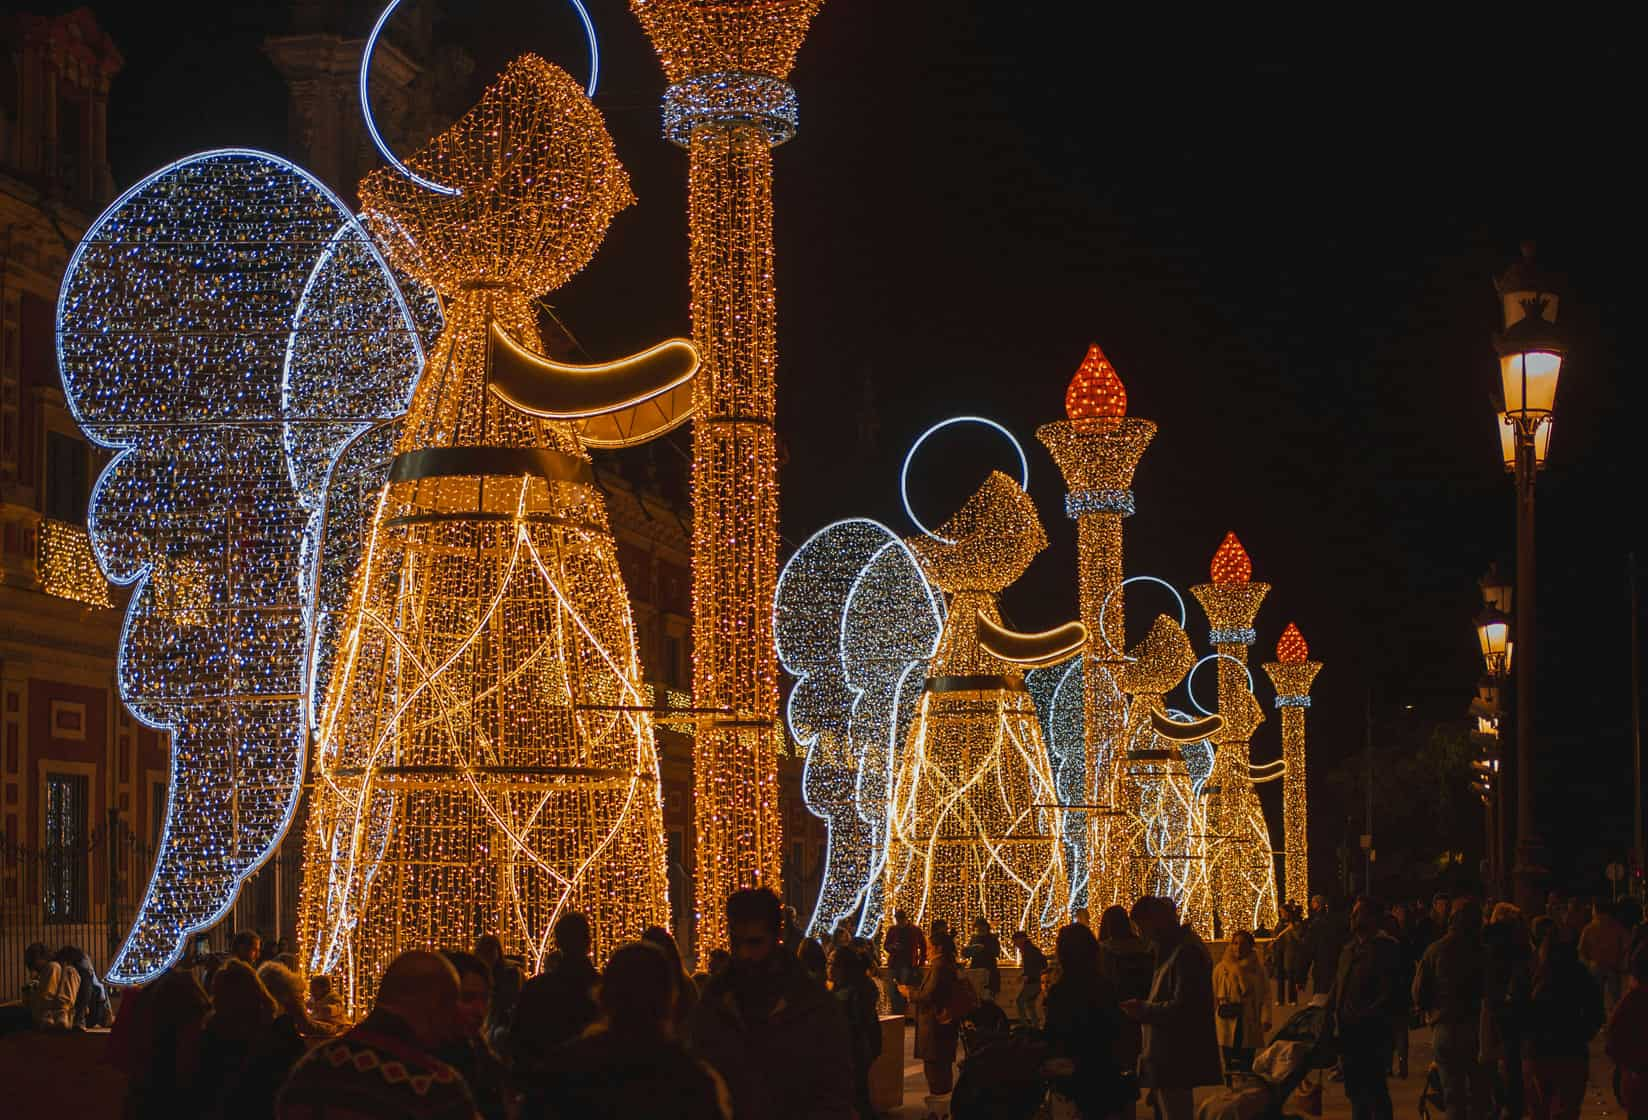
51 1000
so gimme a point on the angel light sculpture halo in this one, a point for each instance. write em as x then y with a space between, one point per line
485 712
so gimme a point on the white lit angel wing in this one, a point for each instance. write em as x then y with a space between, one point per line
856 622
1057 692
175 331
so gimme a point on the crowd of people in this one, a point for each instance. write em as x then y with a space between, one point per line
782 1025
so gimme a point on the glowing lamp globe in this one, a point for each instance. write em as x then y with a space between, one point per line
1231 563
1507 441
1493 633
1096 395
1291 648
1531 349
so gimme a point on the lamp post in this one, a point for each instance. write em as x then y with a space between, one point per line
1530 362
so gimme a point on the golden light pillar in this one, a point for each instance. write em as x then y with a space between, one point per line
1292 673
1244 887
1097 448
729 105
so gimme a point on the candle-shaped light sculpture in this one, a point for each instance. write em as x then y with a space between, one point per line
1292 673
1244 893
728 104
1097 448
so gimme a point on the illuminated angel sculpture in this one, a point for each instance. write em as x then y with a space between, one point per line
364 530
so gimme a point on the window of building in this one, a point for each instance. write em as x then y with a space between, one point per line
66 469
674 660
68 853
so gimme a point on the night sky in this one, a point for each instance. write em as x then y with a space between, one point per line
1283 236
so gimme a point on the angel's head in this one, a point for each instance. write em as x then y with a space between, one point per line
538 182
988 543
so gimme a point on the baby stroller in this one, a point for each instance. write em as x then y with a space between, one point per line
1001 1069
1302 1045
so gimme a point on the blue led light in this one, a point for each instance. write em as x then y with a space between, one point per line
1190 680
1078 502
1243 637
731 97
904 473
1293 701
366 98
1104 610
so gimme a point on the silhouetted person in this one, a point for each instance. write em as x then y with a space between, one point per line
938 1025
1128 964
1628 1040
983 954
629 1064
1084 1025
286 987
773 1034
1180 1051
506 988
1564 1015
1032 966
469 1051
386 1066
906 951
156 1042
1325 939
249 1046
852 988
1367 995
556 1005
1448 989
686 992
814 961
247 946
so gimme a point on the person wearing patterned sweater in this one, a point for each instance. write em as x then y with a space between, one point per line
385 1067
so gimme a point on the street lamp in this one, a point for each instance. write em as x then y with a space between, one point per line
1493 633
1531 353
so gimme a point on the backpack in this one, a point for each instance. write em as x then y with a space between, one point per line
959 1001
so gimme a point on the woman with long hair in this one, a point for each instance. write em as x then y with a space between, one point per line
1241 995
247 1048
938 1025
1084 1031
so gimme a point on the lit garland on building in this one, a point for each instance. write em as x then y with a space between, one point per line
1097 448
67 567
976 829
180 313
1292 673
856 623
484 759
1244 875
727 63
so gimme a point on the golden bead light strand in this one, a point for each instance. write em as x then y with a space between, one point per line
1292 673
727 63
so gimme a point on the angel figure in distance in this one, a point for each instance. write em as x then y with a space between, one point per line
975 827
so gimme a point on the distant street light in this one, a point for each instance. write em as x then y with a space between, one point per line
1531 354
1493 633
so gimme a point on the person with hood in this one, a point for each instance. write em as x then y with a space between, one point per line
1448 990
1241 995
1367 997
1180 1050
772 1033
1564 1015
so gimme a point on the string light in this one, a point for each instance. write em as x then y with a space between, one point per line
1097 449
1243 872
716 56
484 758
975 826
856 623
186 312
67 567
1292 674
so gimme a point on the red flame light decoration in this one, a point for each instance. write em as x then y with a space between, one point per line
1291 648
1096 393
1231 563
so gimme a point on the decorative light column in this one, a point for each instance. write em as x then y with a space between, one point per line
1097 449
1231 601
1292 673
728 104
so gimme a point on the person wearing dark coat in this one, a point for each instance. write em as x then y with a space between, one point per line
1564 1015
686 992
469 1051
555 1006
1367 998
852 988
983 954
1448 989
629 1064
773 1034
247 1049
1325 940
1084 1028
1181 1050
937 1028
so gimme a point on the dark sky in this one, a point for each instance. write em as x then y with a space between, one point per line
1284 236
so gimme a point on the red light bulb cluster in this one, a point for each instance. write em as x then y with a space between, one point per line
1291 648
1231 563
1096 393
